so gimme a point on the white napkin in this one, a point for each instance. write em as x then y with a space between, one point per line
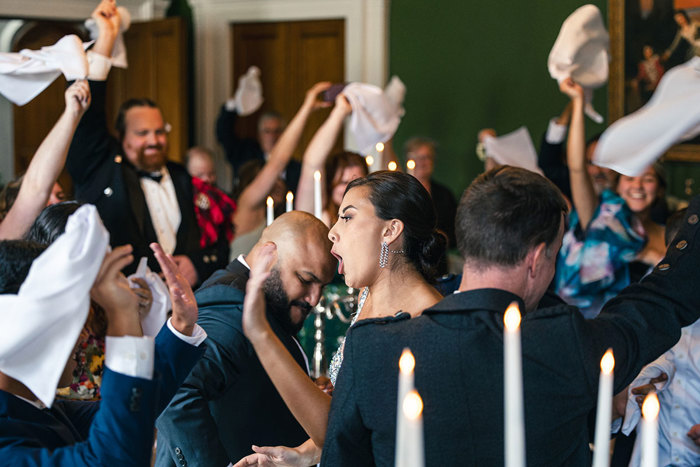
158 314
515 148
376 114
24 75
672 115
41 324
581 52
119 49
248 96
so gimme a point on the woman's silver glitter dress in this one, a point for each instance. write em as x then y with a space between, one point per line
337 359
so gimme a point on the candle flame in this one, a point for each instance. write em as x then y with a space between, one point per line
411 164
369 160
269 201
607 363
317 175
379 147
392 166
412 405
650 407
290 196
407 362
512 317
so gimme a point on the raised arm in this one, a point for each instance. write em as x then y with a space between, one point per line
254 194
317 152
582 193
309 405
46 165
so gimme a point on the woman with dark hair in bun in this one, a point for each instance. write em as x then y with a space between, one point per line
387 244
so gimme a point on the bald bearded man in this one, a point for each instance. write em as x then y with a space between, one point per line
228 403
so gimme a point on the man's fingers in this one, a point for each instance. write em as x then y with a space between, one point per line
659 379
115 261
645 389
167 263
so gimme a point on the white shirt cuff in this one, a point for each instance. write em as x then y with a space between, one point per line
130 355
231 104
99 66
555 132
197 337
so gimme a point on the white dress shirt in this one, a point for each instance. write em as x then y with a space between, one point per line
161 200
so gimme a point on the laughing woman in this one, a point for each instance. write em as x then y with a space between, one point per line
386 244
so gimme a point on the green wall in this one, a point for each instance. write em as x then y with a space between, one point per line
469 65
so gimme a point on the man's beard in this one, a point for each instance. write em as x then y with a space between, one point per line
151 162
279 305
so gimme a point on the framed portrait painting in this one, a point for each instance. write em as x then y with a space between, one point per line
648 38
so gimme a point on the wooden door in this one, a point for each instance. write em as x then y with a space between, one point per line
157 55
292 57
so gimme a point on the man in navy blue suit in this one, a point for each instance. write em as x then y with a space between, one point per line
139 379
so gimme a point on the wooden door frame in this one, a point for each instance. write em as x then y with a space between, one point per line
366 47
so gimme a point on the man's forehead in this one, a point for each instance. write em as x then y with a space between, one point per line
144 115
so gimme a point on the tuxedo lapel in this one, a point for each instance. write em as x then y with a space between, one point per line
136 199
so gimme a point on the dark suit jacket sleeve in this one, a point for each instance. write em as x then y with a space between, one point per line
188 413
646 318
550 161
238 151
92 143
347 439
121 432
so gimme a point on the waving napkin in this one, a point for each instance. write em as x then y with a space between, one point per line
248 96
376 113
41 324
24 75
158 314
672 115
581 52
514 148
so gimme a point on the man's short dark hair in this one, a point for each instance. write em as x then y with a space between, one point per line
506 212
120 124
16 257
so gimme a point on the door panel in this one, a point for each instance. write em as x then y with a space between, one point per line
292 57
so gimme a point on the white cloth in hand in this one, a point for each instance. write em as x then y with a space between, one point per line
118 58
24 75
155 318
248 96
672 115
580 52
515 148
376 114
41 324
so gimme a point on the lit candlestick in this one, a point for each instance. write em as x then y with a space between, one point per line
409 448
392 166
379 147
601 455
650 431
513 381
370 160
317 194
411 166
270 210
406 384
290 201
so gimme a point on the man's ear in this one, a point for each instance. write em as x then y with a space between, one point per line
392 231
535 259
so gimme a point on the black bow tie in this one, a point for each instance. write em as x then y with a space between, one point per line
155 176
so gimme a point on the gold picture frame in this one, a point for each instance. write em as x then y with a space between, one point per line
618 83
